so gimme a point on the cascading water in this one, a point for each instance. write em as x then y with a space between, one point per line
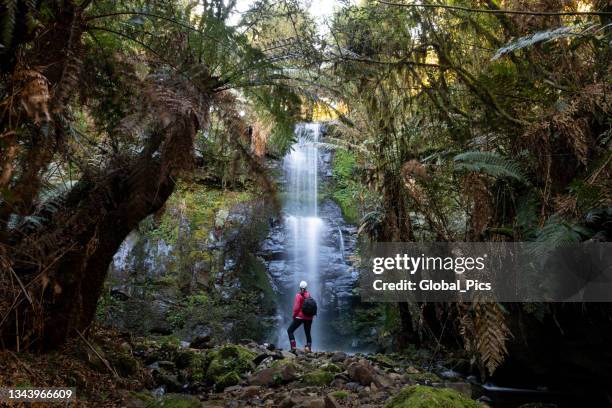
309 245
301 214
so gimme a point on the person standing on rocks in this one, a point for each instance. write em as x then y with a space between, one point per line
304 311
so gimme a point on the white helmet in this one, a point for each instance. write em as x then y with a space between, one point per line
303 285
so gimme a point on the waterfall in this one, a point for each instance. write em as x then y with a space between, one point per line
304 227
311 244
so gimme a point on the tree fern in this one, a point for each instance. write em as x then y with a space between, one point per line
489 163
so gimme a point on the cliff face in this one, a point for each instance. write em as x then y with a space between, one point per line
193 270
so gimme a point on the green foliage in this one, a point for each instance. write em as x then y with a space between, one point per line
527 215
489 163
557 231
189 307
346 190
340 394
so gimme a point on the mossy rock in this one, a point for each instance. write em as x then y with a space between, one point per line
318 378
227 359
124 363
227 380
424 377
197 366
283 362
420 396
331 367
383 360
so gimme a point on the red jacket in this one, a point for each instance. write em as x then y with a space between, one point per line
297 306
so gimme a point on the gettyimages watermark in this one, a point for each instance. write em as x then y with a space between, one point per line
486 271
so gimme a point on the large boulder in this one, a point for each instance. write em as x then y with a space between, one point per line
361 372
419 396
274 375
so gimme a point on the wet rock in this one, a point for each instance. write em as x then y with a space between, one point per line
354 387
261 357
462 387
169 381
338 357
449 374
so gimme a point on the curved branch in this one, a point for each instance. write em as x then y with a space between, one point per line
501 11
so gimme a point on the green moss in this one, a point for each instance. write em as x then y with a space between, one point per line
318 377
346 189
331 367
227 380
419 396
197 366
383 360
282 363
424 377
340 394
255 278
227 359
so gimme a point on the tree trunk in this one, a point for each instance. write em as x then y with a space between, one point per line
73 251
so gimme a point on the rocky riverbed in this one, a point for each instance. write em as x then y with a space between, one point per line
257 375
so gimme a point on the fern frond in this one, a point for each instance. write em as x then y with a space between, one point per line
556 231
489 163
491 335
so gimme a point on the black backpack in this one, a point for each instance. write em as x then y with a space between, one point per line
309 307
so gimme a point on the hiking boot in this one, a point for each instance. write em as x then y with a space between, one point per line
293 347
308 348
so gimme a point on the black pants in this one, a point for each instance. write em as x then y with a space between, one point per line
295 324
